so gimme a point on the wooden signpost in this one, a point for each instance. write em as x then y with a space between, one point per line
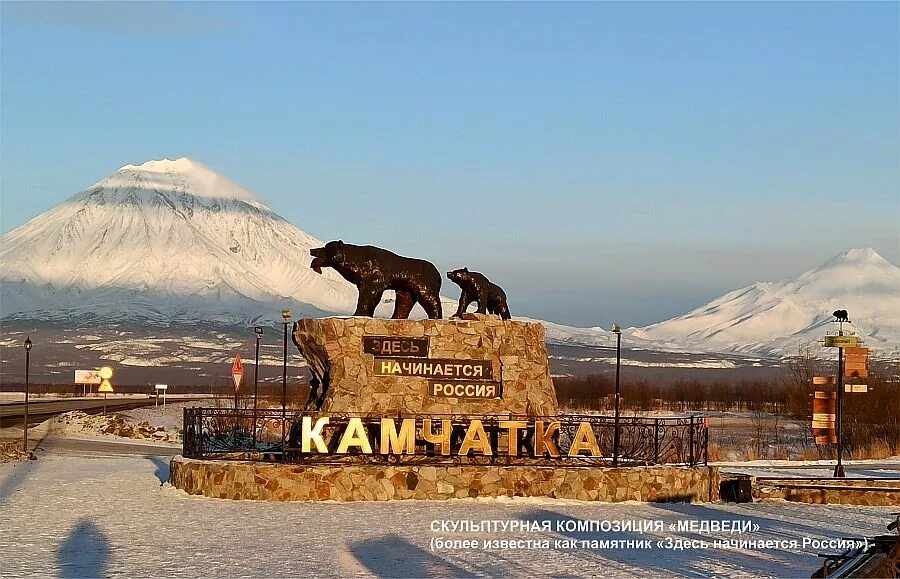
823 418
856 362
852 363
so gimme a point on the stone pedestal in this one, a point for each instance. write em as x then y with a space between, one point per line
375 366
277 482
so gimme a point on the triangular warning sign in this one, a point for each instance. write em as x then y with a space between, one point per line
237 372
105 386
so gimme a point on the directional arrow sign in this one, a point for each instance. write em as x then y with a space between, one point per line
237 372
824 380
856 362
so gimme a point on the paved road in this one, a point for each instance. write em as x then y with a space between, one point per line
13 413
36 400
864 466
866 470
76 447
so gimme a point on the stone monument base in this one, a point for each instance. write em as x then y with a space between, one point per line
482 365
284 482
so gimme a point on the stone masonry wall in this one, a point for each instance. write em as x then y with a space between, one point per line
277 482
873 493
517 352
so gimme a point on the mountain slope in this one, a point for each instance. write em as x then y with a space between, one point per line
774 318
168 241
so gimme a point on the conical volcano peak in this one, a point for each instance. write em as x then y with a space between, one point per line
170 238
181 175
164 165
776 317
861 256
860 271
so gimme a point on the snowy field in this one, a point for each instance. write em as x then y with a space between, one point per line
102 515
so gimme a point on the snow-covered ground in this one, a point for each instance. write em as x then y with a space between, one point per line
77 424
132 425
646 364
103 516
171 416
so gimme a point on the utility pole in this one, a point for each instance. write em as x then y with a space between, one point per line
259 334
28 345
286 316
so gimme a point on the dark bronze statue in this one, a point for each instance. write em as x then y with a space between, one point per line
476 287
373 271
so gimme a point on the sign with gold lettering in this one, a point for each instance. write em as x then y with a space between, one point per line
445 437
464 389
395 346
841 341
311 437
442 369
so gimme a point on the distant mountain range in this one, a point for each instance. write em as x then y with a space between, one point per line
171 243
776 318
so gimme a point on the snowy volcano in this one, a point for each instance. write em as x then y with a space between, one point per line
170 243
164 241
777 317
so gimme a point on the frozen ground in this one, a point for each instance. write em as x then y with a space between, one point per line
105 515
171 415
118 426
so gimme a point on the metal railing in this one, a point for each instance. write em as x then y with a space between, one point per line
270 435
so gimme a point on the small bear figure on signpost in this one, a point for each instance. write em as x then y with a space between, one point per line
477 288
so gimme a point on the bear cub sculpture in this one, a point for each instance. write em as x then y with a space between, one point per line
477 288
374 270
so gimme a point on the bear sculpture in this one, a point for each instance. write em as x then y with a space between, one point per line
374 270
476 287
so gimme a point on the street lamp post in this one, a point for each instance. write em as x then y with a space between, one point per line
286 316
259 334
27 368
618 332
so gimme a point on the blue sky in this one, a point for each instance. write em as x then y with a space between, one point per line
602 161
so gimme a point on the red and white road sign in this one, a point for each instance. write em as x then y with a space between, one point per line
237 372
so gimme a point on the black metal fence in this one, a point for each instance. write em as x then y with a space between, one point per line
270 435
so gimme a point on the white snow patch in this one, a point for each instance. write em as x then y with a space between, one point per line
111 517
645 364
